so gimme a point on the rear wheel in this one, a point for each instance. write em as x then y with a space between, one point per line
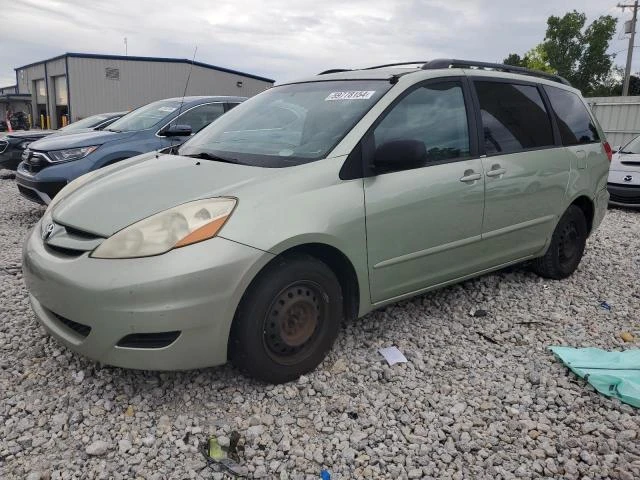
566 248
287 320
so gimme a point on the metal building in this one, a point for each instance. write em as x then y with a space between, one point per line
619 117
11 100
75 85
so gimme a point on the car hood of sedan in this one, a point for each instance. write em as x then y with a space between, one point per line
625 162
125 193
30 134
78 139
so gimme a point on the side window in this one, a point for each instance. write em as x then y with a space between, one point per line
575 124
434 114
200 116
514 117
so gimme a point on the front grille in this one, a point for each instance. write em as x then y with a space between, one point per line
30 194
3 145
79 328
149 340
628 200
67 252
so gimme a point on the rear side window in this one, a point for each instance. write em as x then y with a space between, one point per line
434 114
575 124
199 117
514 117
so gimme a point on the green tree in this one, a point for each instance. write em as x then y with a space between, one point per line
577 53
515 60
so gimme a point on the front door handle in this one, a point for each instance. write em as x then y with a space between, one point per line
470 176
496 171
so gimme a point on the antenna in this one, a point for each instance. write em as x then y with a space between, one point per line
187 84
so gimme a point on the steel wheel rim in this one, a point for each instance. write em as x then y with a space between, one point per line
293 321
568 244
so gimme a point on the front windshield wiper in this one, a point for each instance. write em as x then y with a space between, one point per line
626 152
112 130
209 156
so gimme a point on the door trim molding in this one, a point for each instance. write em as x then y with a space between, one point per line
428 251
518 226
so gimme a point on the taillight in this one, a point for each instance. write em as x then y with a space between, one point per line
607 150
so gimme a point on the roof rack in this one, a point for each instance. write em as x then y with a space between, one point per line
334 70
454 63
419 62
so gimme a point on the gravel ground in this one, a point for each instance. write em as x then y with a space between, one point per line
481 397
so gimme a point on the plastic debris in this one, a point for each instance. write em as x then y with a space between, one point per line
225 460
325 475
129 411
478 313
215 450
392 355
605 306
613 374
627 337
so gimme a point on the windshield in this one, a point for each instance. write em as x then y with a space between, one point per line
88 122
145 117
288 125
632 147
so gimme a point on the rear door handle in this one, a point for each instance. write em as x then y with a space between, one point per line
470 176
496 171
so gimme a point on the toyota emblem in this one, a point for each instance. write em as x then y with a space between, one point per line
628 178
48 231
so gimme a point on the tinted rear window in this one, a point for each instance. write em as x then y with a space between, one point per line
514 117
575 123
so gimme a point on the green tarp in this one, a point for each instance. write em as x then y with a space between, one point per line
614 374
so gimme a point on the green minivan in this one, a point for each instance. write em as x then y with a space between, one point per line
314 202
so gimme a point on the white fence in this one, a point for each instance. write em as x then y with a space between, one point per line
619 117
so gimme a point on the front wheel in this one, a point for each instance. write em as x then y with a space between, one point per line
566 248
287 320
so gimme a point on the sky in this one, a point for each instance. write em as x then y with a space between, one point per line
282 39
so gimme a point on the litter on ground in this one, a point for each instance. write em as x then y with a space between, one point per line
614 374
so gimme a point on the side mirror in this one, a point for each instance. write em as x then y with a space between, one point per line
175 131
400 155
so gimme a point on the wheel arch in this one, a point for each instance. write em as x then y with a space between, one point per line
587 206
336 260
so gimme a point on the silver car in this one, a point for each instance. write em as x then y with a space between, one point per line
624 175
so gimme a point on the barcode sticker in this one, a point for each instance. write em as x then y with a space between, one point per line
351 95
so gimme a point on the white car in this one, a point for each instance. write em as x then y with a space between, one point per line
624 175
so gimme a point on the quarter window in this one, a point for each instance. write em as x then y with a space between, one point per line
514 117
199 117
575 124
434 114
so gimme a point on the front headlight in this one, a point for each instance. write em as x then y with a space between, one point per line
177 227
71 153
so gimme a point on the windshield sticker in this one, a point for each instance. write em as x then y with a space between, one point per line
352 95
167 109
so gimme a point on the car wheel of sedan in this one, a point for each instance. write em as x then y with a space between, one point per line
287 320
566 248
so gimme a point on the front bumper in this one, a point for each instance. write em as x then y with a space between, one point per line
38 191
10 158
624 195
193 290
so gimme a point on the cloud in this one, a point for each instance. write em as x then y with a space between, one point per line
279 39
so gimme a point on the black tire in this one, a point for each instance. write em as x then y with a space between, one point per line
287 319
566 248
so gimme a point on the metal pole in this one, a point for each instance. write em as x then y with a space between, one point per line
627 71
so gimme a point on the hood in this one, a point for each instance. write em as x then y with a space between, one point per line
79 139
72 132
625 162
132 190
30 134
